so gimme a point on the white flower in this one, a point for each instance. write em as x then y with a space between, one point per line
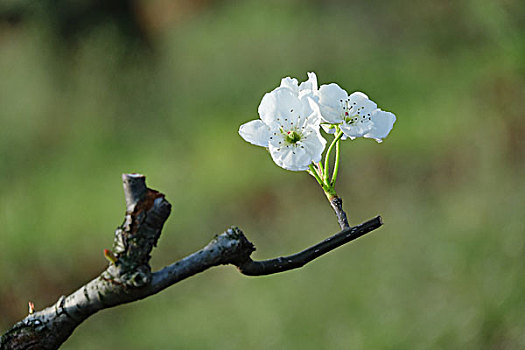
289 128
356 114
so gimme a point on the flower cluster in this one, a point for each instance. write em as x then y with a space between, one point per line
291 116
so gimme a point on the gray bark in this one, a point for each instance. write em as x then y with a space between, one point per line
129 278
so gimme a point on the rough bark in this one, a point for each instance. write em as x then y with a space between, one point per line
129 278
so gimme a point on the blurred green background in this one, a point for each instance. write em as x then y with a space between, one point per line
90 90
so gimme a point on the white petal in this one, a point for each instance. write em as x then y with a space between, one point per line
290 157
382 123
290 83
331 98
332 94
359 104
278 105
309 86
359 94
255 132
356 129
310 111
314 144
277 139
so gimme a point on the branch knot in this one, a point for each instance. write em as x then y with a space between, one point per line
235 247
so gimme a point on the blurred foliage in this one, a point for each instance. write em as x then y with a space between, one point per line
446 270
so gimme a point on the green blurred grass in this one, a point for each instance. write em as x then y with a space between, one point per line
446 270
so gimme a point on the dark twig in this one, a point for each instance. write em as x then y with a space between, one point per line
268 267
129 278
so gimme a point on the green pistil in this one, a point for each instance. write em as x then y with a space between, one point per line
349 120
292 137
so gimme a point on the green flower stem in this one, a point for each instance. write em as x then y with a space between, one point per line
329 190
321 173
313 172
338 135
320 167
336 165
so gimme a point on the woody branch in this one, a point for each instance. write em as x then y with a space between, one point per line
129 277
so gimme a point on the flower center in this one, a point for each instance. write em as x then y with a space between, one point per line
292 137
348 119
351 113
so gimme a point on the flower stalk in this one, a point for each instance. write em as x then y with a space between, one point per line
314 172
336 164
321 174
335 142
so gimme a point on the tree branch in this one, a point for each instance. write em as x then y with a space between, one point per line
129 278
